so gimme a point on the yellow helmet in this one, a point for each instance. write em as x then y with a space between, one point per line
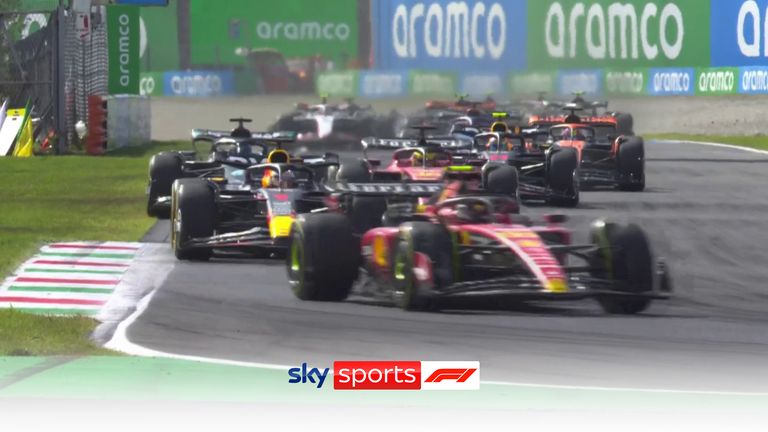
278 156
499 127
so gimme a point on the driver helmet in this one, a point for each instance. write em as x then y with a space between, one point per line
270 179
566 134
417 158
475 212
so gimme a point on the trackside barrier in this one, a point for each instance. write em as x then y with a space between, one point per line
96 142
129 121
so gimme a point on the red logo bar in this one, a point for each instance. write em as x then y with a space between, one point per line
377 375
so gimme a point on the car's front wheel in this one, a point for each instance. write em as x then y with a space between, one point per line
422 262
193 215
324 257
624 258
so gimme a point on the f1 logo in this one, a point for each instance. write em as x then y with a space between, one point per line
450 375
458 375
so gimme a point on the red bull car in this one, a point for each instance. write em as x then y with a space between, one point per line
473 251
252 215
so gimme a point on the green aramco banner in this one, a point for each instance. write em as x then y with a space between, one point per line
123 33
618 34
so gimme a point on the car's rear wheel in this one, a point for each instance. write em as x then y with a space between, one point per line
432 242
624 258
366 213
563 178
503 180
164 169
631 165
356 171
625 123
193 215
324 257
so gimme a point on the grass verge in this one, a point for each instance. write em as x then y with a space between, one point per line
759 142
23 334
65 198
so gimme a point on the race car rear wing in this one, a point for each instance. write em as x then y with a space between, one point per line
398 143
416 190
214 135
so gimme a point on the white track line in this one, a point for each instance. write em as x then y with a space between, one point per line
711 144
120 342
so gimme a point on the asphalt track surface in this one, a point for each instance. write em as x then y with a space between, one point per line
704 210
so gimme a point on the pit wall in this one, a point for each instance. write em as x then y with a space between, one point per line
600 47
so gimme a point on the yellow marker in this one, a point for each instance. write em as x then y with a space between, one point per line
557 286
530 243
380 252
465 238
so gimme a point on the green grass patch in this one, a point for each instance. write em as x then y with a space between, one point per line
66 198
759 142
23 334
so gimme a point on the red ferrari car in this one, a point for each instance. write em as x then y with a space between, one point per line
469 248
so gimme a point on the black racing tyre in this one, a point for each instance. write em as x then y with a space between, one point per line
354 172
623 257
625 123
324 257
365 213
435 242
503 180
164 169
562 178
193 215
631 165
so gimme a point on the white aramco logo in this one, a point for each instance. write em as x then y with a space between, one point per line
618 33
451 32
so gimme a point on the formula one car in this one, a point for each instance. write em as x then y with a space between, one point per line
330 126
470 248
225 159
605 157
546 172
428 159
445 115
253 216
549 113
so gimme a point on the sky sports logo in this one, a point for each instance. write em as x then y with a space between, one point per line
392 375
